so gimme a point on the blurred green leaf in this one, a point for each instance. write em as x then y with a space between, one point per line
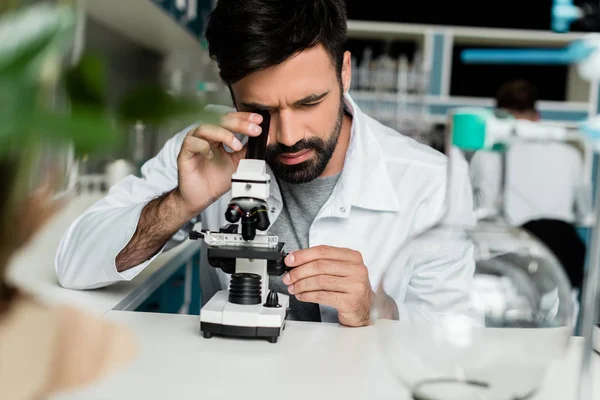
17 103
29 34
32 36
89 129
86 82
25 55
154 106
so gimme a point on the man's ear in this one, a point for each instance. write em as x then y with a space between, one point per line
347 71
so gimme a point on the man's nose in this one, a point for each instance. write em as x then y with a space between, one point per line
288 133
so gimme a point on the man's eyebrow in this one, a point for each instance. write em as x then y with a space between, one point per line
312 98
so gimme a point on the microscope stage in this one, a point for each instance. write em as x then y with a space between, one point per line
249 252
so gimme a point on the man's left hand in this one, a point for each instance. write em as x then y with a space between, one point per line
334 277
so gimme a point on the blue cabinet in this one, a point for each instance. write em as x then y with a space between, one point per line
170 296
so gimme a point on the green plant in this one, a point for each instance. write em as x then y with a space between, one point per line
35 43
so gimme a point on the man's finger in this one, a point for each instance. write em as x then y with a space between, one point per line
193 146
321 253
246 125
215 135
328 283
247 116
331 299
316 268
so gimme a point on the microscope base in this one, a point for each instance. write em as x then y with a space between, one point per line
271 334
222 318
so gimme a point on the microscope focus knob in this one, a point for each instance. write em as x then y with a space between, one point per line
272 300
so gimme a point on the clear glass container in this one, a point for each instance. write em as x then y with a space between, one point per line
509 315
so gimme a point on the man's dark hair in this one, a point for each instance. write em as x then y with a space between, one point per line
517 95
245 36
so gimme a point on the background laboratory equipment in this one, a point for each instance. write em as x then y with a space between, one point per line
392 88
583 53
495 340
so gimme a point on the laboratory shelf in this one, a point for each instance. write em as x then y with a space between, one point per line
385 30
151 25
363 95
563 113
439 45
392 30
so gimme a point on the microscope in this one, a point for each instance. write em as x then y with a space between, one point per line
244 250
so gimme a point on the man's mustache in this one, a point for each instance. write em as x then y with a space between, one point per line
304 144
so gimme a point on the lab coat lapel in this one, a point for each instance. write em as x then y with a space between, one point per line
364 184
364 181
363 192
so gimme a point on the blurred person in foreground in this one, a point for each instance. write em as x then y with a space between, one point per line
46 349
346 193
544 190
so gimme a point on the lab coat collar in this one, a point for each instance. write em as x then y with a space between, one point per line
364 181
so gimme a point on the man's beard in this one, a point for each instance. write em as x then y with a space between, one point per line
312 168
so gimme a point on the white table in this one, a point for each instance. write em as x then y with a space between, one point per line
310 361
175 362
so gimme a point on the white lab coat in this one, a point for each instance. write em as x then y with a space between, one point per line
391 187
542 180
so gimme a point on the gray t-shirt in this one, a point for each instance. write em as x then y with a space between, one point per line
301 204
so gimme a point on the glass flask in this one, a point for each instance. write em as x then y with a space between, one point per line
509 314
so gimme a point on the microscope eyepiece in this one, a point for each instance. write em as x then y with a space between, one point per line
257 146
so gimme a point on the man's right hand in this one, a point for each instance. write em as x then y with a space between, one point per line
205 167
205 170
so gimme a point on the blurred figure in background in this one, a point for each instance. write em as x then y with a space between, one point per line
544 191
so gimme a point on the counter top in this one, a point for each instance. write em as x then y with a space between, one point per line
310 361
33 268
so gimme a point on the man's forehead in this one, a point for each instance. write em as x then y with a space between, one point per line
307 73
